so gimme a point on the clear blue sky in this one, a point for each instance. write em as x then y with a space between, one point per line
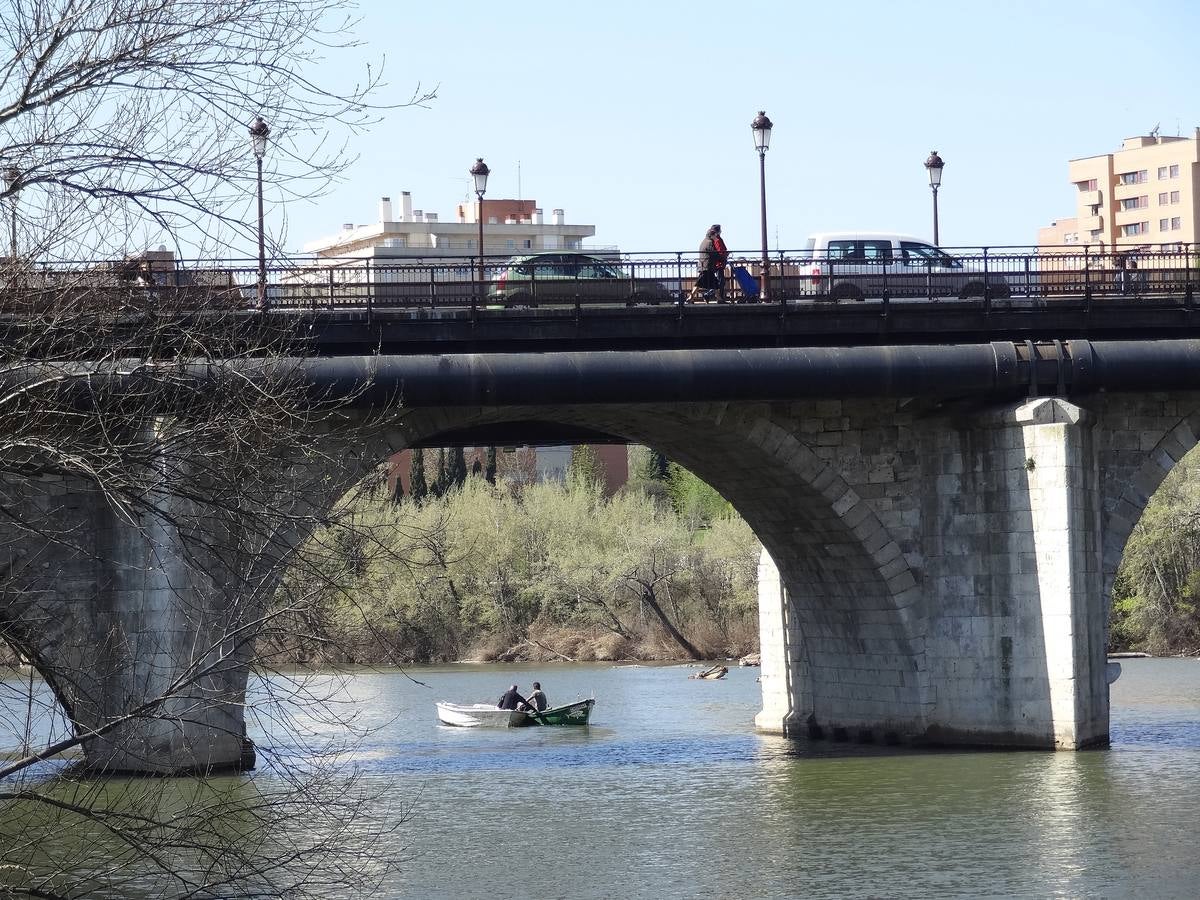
635 117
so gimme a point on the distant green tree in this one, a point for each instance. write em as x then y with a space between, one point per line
695 501
489 469
647 464
1156 594
418 489
398 490
586 466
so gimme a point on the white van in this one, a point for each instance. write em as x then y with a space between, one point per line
856 265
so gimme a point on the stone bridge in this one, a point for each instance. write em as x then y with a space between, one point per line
938 558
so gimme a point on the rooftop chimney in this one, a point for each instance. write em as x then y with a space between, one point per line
431 217
406 212
385 209
537 217
418 215
347 226
558 216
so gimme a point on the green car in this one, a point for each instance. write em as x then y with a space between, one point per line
563 277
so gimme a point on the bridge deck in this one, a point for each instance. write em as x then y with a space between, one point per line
343 331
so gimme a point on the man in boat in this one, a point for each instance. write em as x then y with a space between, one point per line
510 699
537 700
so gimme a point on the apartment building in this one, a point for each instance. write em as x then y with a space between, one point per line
1145 195
511 227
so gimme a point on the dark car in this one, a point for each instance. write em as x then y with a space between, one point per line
563 277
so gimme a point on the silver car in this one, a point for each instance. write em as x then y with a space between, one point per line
566 277
855 266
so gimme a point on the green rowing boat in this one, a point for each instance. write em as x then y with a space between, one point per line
576 713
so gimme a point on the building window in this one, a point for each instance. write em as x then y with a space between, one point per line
1138 177
1175 171
1162 171
528 244
1176 224
1174 196
1134 228
1095 233
1164 224
1135 203
1071 237
510 244
1162 198
1089 185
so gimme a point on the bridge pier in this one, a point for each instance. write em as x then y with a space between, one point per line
1001 634
170 642
134 616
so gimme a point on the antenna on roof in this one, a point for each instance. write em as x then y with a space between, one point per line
1154 130
520 196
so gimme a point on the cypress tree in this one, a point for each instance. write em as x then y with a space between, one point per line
660 469
476 468
417 488
456 475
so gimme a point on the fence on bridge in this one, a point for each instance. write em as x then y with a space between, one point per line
577 278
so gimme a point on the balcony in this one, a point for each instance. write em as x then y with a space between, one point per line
1129 216
1089 198
1091 223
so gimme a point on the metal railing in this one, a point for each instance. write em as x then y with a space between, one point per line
1011 275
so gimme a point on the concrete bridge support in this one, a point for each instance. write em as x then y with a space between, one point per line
1003 610
132 616
143 617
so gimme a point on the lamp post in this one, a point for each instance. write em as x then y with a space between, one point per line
480 173
259 132
933 166
761 126
12 183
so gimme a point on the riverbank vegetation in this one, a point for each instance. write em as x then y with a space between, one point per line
1156 596
476 570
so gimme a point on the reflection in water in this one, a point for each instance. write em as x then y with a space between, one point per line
671 793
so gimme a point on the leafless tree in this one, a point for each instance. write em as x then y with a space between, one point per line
231 470
122 125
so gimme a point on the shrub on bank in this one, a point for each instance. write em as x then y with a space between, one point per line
550 571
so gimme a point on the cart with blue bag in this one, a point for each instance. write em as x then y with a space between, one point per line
747 282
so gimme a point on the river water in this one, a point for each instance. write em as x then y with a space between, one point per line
671 793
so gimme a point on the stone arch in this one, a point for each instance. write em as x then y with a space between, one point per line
852 615
1138 478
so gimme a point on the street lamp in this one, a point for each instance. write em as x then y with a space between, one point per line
934 165
259 132
12 183
761 126
480 173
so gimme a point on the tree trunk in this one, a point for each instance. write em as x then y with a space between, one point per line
651 600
